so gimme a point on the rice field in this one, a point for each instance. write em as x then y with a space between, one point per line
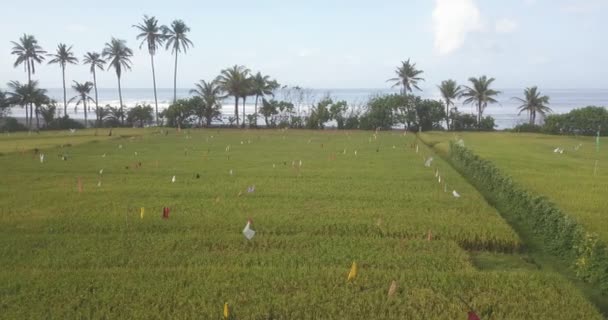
82 233
575 177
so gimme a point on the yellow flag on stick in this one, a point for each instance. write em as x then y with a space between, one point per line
142 211
352 274
392 289
226 311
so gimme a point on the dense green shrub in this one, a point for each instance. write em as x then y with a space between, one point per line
64 123
561 234
584 121
526 127
11 125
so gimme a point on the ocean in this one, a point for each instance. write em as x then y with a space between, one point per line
505 112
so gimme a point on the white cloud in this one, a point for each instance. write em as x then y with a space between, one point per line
506 25
452 20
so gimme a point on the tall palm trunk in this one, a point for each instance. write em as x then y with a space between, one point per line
236 109
84 104
479 112
175 80
97 114
447 114
255 120
37 119
28 117
122 114
533 117
65 100
244 114
154 84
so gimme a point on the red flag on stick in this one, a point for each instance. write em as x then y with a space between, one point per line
166 213
473 316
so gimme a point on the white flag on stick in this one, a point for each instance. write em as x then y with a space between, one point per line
455 194
247 231
428 162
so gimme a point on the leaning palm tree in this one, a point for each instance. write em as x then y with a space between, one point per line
211 94
407 77
480 94
533 103
262 86
246 91
83 89
153 37
63 56
178 41
28 53
234 82
118 56
450 91
96 62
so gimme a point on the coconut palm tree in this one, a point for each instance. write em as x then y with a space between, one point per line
407 77
450 91
211 95
533 103
96 62
28 53
262 86
178 41
27 94
83 89
63 57
152 36
480 94
118 56
234 82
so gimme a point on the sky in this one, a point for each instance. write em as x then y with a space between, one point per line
329 44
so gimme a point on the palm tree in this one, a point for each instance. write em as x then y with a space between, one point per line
450 91
178 41
533 103
480 94
234 81
262 86
96 62
28 53
211 94
27 94
83 89
118 56
246 91
407 77
63 56
153 36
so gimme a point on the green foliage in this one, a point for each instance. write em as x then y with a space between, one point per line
271 108
381 112
9 124
337 112
140 115
584 121
463 121
319 114
526 127
4 104
561 235
64 123
430 114
180 113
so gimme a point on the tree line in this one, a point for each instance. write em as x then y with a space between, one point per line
241 83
